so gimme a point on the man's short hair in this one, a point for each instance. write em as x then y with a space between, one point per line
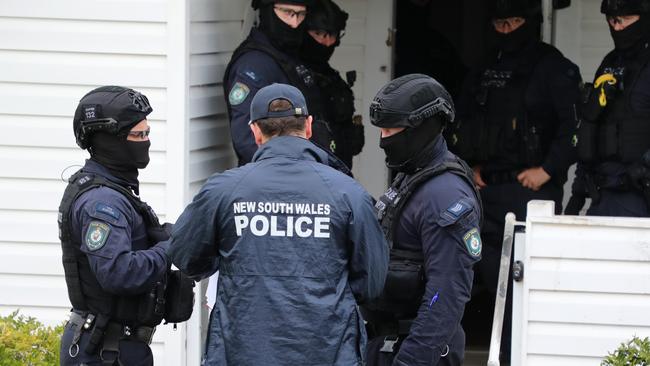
279 110
281 126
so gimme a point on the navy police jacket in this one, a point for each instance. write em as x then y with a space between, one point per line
297 245
250 69
442 220
113 236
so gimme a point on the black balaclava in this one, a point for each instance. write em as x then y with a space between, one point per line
327 16
517 39
120 156
282 36
410 149
314 52
632 34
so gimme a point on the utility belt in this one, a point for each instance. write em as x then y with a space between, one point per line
500 176
105 335
597 182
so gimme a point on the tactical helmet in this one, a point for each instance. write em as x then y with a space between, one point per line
111 109
326 15
625 7
409 100
501 9
256 4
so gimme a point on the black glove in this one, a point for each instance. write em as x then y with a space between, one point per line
160 233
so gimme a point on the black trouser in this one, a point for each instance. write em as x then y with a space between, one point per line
498 200
131 352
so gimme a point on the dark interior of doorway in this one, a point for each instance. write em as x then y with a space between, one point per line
445 39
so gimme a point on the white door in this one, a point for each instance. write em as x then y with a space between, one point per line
364 49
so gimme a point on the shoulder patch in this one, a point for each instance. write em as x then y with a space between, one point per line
458 209
238 93
108 210
96 235
251 75
473 243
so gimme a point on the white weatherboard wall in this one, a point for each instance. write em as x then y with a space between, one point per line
175 52
581 33
51 54
364 48
586 287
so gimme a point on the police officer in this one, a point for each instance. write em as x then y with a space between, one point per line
614 135
515 126
431 215
269 55
295 242
325 27
113 250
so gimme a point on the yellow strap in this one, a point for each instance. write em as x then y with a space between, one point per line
600 81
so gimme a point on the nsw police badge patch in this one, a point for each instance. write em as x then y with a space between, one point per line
96 235
472 241
238 93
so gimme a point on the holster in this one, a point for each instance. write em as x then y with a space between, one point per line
405 279
151 307
587 135
97 334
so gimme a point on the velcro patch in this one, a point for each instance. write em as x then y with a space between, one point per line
108 210
251 75
238 93
458 209
96 235
473 243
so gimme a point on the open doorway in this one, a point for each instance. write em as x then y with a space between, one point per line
445 39
442 39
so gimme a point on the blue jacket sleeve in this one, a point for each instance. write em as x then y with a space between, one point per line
369 250
446 241
118 268
251 72
194 242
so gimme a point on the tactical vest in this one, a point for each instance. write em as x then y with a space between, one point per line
501 127
84 291
298 75
406 275
621 134
337 97
337 101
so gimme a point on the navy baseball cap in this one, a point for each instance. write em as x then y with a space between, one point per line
262 100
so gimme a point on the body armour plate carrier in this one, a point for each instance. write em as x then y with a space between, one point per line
405 280
84 291
620 134
506 131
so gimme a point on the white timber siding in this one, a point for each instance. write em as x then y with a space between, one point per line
51 54
586 287
582 34
216 29
364 49
175 52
